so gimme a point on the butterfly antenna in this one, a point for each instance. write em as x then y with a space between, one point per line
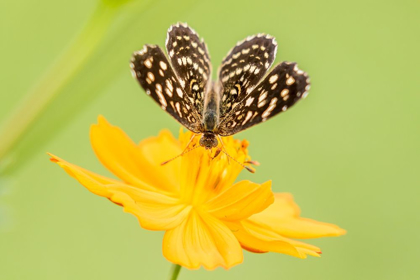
241 164
232 158
186 150
223 147
253 162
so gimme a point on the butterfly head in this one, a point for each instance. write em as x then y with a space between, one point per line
208 140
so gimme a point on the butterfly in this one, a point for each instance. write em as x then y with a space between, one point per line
245 94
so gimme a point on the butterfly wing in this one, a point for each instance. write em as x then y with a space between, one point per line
243 68
278 91
191 62
153 71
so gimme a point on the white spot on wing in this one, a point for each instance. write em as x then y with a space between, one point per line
159 93
236 55
262 98
169 85
178 109
179 92
168 92
142 51
249 38
133 73
148 63
163 65
290 81
248 116
270 108
182 82
249 101
245 51
284 92
262 103
273 79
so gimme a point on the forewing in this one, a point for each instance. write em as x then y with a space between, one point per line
281 88
191 62
243 68
153 71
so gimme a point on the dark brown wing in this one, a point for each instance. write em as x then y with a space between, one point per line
279 90
191 62
153 71
243 68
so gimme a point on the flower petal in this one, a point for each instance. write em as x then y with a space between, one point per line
267 235
202 240
135 164
240 201
255 240
283 217
155 211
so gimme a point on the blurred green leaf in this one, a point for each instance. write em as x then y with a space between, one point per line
98 55
115 3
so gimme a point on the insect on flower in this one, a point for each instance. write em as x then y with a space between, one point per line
208 219
242 97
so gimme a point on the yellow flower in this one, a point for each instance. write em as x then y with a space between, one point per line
207 218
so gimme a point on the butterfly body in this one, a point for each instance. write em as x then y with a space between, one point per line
246 92
211 111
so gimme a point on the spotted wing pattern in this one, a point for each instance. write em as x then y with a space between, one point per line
278 91
191 62
243 68
153 71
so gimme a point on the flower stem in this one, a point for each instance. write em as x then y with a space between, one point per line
175 269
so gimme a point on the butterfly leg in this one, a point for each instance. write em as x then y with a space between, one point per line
186 150
189 142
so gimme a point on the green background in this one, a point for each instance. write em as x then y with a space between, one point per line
348 153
